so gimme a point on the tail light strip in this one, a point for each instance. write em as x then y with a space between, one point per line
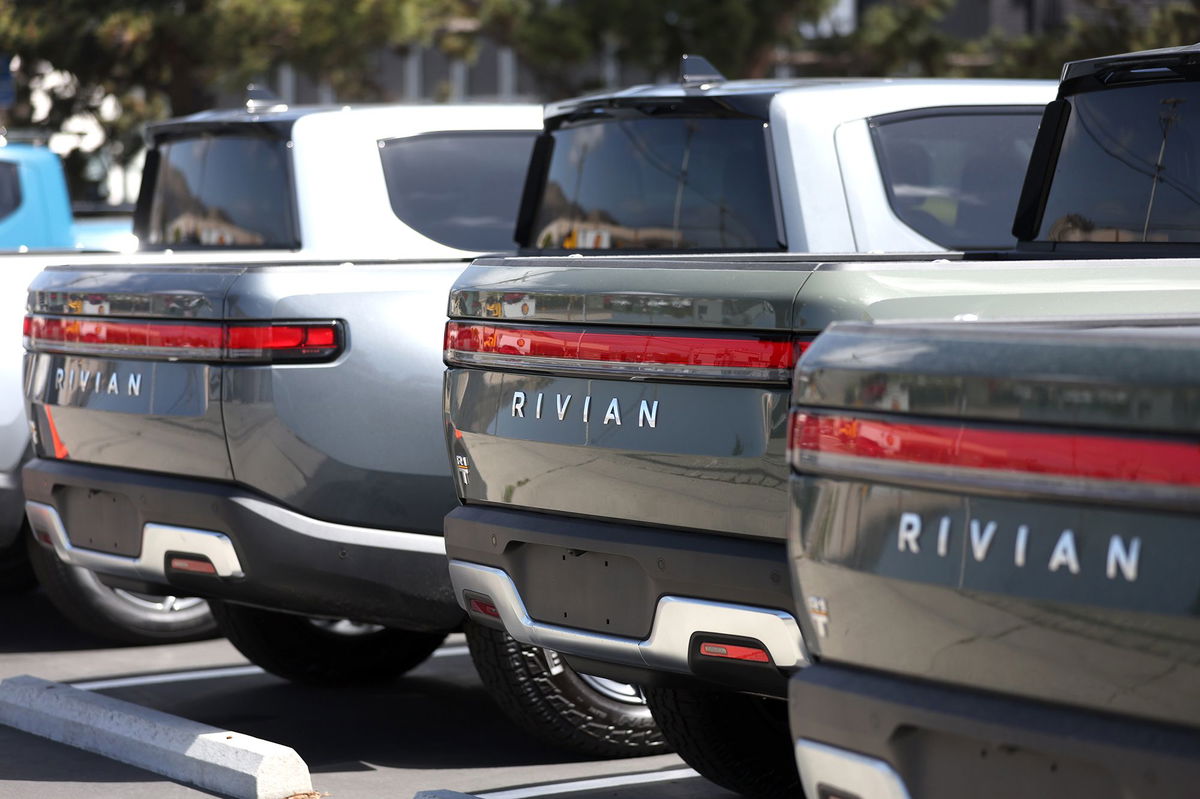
661 354
189 341
833 441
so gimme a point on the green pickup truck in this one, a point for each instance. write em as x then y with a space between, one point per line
619 422
992 546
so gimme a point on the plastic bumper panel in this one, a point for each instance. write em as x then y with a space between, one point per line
876 736
261 553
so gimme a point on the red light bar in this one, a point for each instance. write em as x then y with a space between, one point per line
746 357
1094 456
486 608
732 652
192 565
194 341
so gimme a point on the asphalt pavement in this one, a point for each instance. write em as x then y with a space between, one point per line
435 728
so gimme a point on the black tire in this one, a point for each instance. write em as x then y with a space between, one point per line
557 705
16 573
740 742
120 616
299 649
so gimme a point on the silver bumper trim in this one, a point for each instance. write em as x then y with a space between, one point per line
850 772
675 619
157 541
344 533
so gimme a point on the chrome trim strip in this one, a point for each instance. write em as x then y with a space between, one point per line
531 363
344 533
675 619
846 772
157 541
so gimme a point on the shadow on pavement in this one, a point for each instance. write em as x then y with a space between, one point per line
447 722
29 623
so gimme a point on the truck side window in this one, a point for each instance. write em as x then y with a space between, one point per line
954 174
10 188
658 183
1129 167
223 191
461 188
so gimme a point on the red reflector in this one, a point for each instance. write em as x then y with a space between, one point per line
486 608
1101 457
44 537
192 565
28 324
732 652
700 355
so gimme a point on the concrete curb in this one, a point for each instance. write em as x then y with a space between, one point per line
221 761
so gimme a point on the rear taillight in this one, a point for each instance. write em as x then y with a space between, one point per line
189 341
658 353
832 442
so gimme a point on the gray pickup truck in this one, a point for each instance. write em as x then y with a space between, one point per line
218 415
992 541
621 440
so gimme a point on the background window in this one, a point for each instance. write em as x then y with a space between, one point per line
459 189
955 178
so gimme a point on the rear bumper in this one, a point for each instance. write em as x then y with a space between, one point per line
260 553
877 736
639 599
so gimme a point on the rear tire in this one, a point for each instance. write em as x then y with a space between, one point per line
16 574
112 613
299 649
740 742
555 704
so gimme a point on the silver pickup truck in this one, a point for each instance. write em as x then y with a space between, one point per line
620 422
184 397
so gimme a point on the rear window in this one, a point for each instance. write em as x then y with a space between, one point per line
461 189
10 188
1129 167
667 183
955 175
223 191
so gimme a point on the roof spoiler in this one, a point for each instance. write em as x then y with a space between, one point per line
1168 63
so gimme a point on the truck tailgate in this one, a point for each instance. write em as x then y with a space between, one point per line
591 390
104 377
1008 507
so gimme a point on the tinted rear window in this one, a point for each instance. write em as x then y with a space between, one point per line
461 189
670 183
223 191
955 177
1129 167
10 188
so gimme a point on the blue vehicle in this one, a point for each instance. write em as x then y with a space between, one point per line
35 210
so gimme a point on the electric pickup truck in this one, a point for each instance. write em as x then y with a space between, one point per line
618 422
991 534
229 389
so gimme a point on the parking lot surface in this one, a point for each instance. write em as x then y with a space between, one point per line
436 728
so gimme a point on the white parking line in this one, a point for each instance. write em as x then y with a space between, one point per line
174 676
575 786
451 651
209 674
